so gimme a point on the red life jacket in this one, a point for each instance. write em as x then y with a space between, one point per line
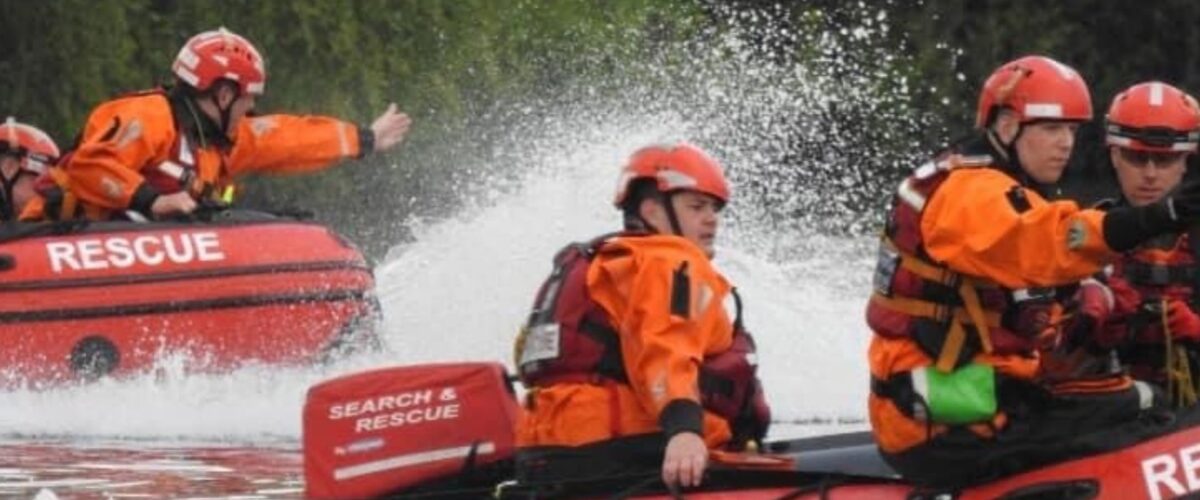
1165 268
950 315
568 338
1161 269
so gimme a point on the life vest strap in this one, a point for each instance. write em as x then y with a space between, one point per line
69 202
971 311
1152 274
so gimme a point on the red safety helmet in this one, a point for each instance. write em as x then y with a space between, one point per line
1153 116
35 148
220 54
1036 88
673 168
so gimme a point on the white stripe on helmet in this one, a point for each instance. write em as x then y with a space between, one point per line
1043 110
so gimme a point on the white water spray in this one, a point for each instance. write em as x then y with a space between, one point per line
461 289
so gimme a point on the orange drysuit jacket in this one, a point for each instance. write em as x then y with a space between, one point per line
632 279
126 139
971 225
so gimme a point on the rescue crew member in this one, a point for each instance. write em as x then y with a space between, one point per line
632 360
1151 129
25 153
159 152
966 298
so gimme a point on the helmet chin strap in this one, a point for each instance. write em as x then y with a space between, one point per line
1009 149
668 200
672 218
7 211
224 112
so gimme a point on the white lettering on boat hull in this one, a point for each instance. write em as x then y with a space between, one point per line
121 252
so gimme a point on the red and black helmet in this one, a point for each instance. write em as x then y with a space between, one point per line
220 54
1035 88
673 168
1153 116
34 147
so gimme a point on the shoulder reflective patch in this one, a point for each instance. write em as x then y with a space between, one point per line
111 188
130 133
261 125
185 151
975 161
925 171
704 297
658 388
1016 198
1077 234
910 196
344 142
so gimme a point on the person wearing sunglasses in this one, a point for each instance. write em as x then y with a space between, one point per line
162 152
1152 129
974 272
25 153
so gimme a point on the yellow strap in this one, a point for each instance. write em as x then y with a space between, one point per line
975 310
951 348
1180 388
925 269
60 177
932 310
69 202
909 306
968 291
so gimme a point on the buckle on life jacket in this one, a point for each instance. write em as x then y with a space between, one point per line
1147 274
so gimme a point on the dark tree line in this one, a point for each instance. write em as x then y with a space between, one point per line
447 63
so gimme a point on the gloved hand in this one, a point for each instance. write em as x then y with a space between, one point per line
1127 227
1184 323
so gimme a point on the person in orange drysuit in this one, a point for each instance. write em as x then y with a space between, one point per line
632 360
1152 128
159 152
25 152
973 269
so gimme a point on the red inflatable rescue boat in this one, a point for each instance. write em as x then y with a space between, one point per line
446 431
81 300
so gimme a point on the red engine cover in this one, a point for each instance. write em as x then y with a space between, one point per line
370 433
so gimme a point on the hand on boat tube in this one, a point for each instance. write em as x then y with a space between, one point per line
685 460
173 204
390 128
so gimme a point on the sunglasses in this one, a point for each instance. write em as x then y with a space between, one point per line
1139 157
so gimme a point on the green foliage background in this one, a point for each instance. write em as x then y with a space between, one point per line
447 61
